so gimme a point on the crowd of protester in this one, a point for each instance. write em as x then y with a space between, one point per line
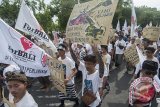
94 63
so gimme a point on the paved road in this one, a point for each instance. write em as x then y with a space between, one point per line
118 96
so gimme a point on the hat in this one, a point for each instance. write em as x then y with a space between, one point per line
12 76
61 47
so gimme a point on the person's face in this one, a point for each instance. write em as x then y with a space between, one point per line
89 66
17 88
79 46
132 41
149 53
103 50
145 44
120 38
61 53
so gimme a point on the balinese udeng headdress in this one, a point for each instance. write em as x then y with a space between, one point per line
16 76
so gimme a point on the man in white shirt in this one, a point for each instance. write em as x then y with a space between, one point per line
69 71
119 50
82 52
19 96
88 48
149 56
106 58
91 77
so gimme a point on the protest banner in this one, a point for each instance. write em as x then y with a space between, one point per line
56 38
90 22
57 74
151 33
16 48
27 23
131 55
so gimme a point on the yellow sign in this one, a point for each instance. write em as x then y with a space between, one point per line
151 33
131 55
90 22
57 74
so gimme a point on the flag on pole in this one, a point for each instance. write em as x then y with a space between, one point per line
56 39
118 26
133 20
16 48
26 22
125 28
150 24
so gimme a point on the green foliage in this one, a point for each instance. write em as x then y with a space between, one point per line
9 11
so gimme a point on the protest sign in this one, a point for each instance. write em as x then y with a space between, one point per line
57 74
151 33
111 36
131 55
90 22
16 48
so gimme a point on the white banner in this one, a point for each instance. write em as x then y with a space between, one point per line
16 48
26 22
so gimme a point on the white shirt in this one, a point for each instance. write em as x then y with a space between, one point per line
68 65
139 65
26 101
92 82
68 54
154 45
89 49
118 50
107 61
110 47
128 45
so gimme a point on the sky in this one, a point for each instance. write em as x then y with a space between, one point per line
149 3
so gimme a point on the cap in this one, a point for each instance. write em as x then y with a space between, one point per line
61 47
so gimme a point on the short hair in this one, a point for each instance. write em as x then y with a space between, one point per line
16 76
150 49
150 67
90 58
105 47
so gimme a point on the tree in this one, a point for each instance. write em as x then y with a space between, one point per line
9 11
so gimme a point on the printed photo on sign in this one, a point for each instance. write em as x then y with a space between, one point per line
91 21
